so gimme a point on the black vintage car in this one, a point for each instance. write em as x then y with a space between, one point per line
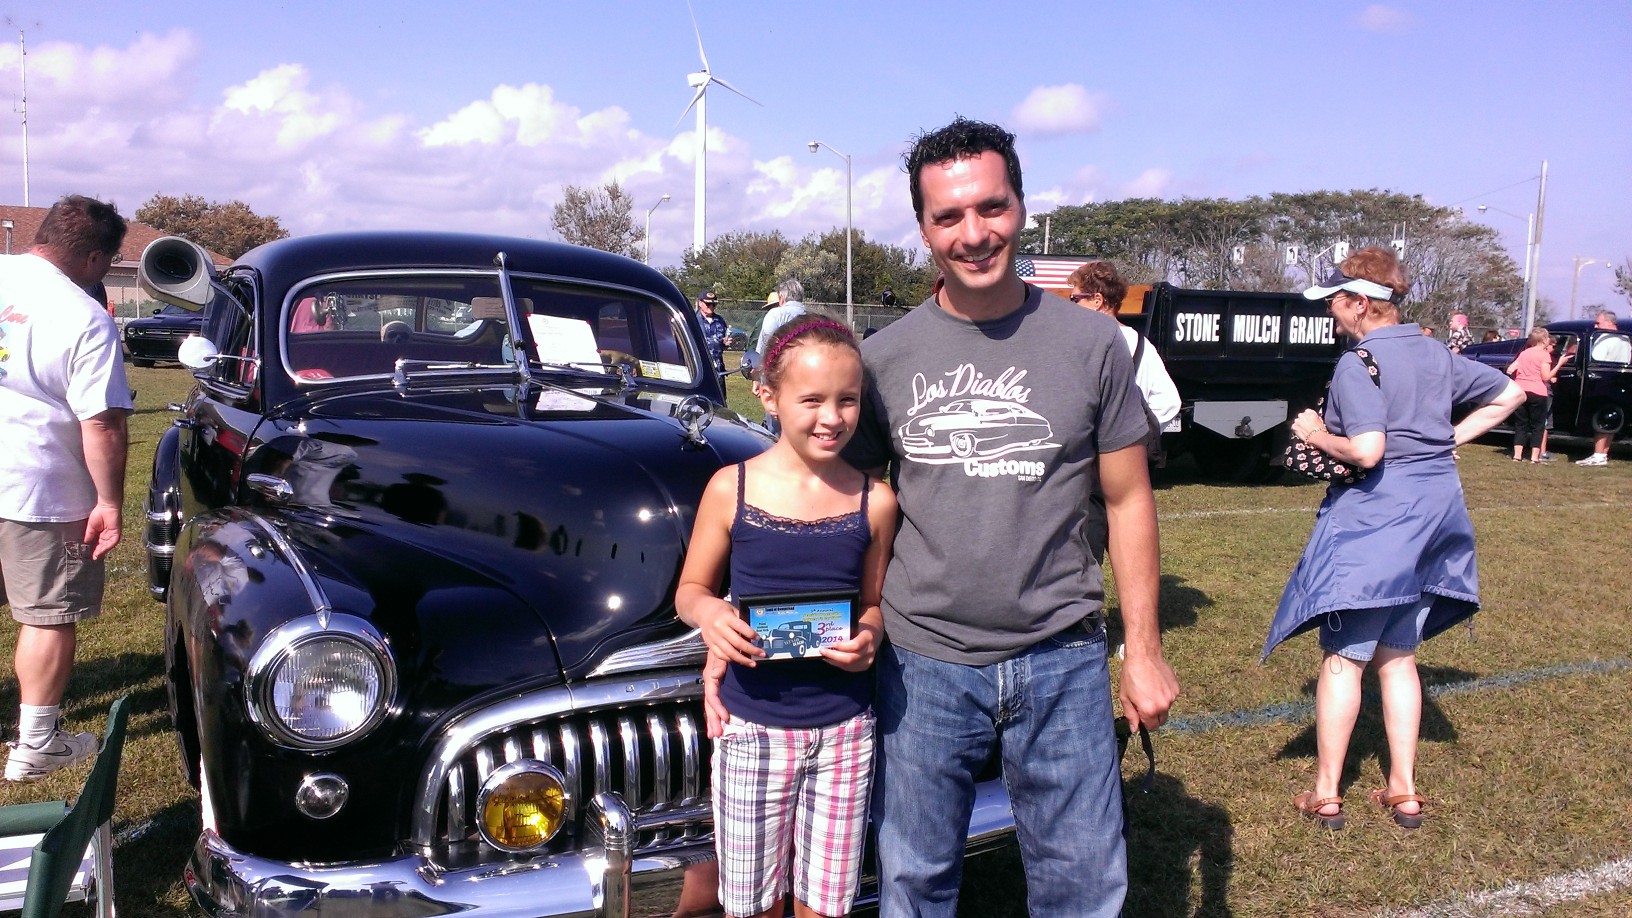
418 529
1593 393
156 337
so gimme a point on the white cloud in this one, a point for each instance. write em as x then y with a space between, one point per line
1380 18
1054 110
319 160
279 96
1151 183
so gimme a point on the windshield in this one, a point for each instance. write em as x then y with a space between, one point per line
349 327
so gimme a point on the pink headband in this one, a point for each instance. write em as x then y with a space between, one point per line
801 328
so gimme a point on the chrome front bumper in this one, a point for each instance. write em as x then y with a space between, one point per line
605 882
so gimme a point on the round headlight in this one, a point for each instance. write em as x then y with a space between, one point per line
316 688
522 805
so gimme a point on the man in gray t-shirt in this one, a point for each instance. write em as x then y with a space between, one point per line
994 402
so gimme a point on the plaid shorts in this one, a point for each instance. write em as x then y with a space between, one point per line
791 797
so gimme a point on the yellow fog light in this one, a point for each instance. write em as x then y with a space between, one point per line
522 805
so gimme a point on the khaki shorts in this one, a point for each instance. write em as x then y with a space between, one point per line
46 573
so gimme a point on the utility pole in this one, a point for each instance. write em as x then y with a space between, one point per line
1535 253
22 61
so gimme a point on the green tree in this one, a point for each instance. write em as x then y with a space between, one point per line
599 218
737 266
818 262
229 228
1455 266
1623 279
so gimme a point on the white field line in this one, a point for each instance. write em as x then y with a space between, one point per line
1263 511
1533 898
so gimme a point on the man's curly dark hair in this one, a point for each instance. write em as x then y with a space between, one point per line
961 139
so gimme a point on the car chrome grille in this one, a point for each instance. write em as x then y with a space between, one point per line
654 754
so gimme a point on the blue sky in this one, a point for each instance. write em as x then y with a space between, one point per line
473 116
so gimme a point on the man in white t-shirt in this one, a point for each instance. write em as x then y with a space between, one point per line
63 407
1613 348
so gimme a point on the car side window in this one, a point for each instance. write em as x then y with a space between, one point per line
1612 348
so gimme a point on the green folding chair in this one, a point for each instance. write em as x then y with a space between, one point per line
73 860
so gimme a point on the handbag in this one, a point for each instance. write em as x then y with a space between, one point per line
1317 463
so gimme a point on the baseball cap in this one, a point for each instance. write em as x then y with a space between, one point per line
709 296
771 299
1337 280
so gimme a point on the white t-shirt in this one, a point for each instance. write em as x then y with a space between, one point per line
60 364
1150 375
1611 347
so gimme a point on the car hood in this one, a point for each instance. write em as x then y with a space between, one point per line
578 506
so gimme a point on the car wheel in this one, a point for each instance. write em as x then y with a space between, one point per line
963 444
141 361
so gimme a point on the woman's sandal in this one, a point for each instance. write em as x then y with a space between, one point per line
1392 804
1310 806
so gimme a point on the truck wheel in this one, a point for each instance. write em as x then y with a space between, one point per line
1608 419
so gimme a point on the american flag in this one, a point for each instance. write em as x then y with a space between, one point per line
1050 272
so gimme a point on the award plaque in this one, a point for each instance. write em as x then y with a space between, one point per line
798 625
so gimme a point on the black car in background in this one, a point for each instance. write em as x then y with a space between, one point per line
156 337
1593 393
418 529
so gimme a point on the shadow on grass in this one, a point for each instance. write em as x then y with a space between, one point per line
1369 740
148 864
1171 838
96 681
1178 605
1166 829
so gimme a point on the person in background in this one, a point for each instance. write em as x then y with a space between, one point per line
1391 561
790 298
1459 337
1614 349
1097 286
887 298
63 408
1533 371
1427 331
1490 336
714 328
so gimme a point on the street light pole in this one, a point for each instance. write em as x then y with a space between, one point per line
849 231
648 258
1579 264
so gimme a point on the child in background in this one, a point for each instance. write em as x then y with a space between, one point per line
793 759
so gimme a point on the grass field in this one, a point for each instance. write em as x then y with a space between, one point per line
1525 729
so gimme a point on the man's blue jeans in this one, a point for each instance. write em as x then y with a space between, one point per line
1049 711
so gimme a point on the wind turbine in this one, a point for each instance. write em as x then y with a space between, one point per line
700 81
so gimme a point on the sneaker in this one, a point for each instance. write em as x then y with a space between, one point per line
1594 459
31 763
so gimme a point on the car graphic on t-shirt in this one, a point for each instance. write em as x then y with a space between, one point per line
974 428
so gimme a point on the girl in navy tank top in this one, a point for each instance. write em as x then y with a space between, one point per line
793 755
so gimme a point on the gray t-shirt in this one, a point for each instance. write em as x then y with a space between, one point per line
994 430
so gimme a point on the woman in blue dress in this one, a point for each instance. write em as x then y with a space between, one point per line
1391 560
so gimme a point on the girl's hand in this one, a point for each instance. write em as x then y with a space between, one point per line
856 654
715 715
727 635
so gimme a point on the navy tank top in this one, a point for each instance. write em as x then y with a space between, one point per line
771 554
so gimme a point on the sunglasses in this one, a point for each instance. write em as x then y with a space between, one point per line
1079 297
